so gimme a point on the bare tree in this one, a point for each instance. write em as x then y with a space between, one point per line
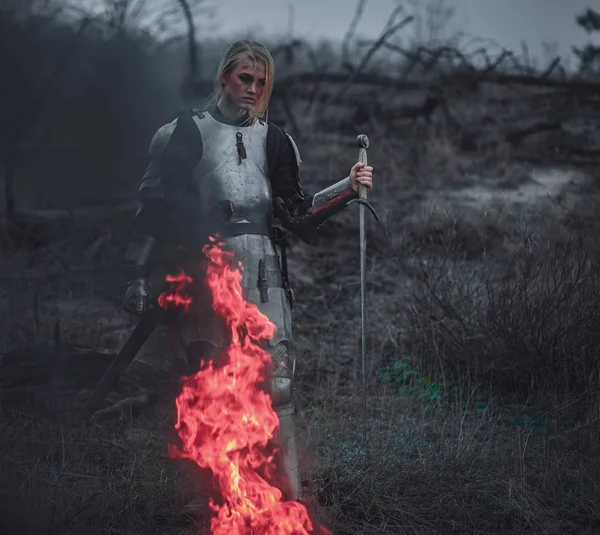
25 122
162 18
432 23
115 19
589 55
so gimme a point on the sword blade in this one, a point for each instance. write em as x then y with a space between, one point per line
362 194
130 348
363 312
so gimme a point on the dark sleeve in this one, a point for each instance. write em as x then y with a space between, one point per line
167 191
284 172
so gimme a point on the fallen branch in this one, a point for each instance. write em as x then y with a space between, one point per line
360 9
390 30
127 405
293 83
514 137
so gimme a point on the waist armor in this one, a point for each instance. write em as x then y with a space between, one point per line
234 168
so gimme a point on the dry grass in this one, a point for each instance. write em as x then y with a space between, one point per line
453 470
483 314
110 478
485 420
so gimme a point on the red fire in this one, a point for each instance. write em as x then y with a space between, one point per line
177 296
225 420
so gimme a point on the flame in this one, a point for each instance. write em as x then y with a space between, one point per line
225 420
176 297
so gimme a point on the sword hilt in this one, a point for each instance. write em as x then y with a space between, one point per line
363 143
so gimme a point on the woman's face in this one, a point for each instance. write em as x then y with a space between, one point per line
244 86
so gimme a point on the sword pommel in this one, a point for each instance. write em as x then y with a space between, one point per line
362 141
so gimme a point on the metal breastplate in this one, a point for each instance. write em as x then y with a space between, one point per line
223 174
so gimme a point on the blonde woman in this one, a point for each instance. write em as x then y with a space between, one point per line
228 163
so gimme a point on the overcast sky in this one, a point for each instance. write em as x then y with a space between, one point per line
507 22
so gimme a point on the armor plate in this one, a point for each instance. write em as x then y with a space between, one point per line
223 174
332 200
296 151
151 181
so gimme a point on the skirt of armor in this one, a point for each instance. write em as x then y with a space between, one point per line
201 324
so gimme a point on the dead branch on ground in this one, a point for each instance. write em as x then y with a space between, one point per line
439 85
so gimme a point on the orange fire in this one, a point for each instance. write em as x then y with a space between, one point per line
225 420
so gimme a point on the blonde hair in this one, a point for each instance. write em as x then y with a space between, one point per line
236 53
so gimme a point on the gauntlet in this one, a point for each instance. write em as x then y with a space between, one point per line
137 267
137 296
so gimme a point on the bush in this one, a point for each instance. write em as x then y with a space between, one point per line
529 330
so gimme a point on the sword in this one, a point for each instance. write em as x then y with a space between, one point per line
154 316
363 142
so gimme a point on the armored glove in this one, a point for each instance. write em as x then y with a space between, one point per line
137 296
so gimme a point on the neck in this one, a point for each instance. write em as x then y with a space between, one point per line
230 111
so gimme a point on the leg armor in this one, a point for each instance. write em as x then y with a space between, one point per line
285 407
280 389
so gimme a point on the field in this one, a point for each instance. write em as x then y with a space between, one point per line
483 310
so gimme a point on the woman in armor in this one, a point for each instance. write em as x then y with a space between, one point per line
226 167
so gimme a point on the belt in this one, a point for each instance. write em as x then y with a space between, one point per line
238 229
